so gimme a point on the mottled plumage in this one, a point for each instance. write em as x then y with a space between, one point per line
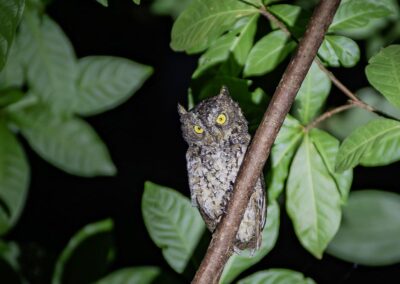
217 134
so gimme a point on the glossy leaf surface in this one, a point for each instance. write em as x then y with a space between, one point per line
377 139
173 224
14 179
204 20
106 81
313 201
87 255
369 233
383 72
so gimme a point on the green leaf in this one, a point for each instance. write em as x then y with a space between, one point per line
375 26
66 142
133 275
10 16
169 7
106 81
204 20
10 252
282 153
12 74
369 139
328 148
313 201
383 72
339 51
356 14
276 276
10 96
87 255
343 124
292 16
369 233
267 53
9 263
14 179
238 263
237 44
50 60
137 2
384 152
173 224
103 2
312 94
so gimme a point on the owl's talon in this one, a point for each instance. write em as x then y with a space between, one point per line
237 250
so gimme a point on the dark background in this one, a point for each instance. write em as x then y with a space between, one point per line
143 136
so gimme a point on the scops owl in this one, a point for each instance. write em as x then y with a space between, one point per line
217 134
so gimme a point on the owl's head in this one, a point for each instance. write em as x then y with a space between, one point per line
214 121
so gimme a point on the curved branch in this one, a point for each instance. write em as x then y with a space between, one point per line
223 238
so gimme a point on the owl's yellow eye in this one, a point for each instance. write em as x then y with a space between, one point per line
221 119
198 129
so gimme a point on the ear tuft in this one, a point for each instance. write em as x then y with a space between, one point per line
224 92
181 110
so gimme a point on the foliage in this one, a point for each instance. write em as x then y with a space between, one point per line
309 173
316 169
79 262
11 13
143 275
307 161
105 2
43 90
275 276
363 237
173 224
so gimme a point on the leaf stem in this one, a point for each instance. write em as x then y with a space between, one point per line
342 87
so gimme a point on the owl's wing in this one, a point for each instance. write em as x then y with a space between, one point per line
192 165
263 202
194 199
262 212
211 223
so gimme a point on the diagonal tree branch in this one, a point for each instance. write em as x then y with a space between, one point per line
222 241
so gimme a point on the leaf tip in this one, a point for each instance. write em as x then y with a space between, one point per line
108 169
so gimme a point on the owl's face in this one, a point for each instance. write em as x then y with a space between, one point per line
215 121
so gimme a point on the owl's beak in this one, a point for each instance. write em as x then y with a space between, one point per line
217 136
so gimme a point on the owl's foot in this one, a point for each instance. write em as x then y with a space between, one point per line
237 250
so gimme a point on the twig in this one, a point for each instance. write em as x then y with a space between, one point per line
282 26
328 114
342 87
221 244
271 17
341 108
354 100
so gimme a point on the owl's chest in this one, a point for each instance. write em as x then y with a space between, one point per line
212 175
218 167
